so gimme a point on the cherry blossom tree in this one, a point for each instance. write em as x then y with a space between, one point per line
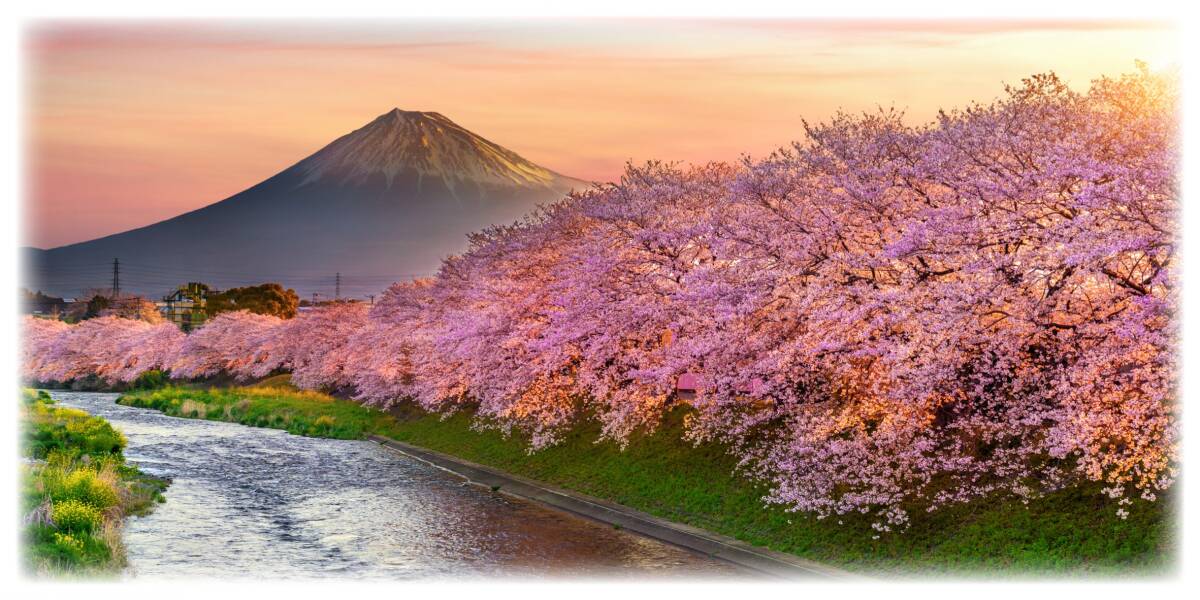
235 343
393 345
39 337
114 349
313 346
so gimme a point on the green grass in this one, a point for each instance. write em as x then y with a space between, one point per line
53 428
300 413
76 489
1071 532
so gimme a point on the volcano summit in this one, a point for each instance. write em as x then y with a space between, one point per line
379 204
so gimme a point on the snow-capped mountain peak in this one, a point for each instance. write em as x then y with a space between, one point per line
426 145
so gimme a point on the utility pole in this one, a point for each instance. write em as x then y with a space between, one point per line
337 287
116 283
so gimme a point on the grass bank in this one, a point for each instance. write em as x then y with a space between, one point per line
1072 532
76 489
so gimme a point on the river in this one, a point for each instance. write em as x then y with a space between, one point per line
259 503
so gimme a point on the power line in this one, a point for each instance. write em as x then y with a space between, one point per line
296 273
145 277
289 276
165 269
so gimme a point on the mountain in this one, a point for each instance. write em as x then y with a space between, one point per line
382 203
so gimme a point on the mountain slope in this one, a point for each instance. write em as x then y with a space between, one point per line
381 203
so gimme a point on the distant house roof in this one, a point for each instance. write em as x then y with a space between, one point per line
688 382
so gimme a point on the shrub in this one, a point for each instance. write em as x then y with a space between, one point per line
73 515
64 477
69 545
97 488
150 380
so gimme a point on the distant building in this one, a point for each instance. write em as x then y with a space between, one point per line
686 386
186 306
42 305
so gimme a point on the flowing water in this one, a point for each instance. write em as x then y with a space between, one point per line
249 502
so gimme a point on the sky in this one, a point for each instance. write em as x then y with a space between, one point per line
130 123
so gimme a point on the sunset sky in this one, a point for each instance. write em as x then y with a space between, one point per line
128 124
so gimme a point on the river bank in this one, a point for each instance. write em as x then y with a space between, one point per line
1071 532
76 490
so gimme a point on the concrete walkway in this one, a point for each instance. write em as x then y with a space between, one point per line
762 561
